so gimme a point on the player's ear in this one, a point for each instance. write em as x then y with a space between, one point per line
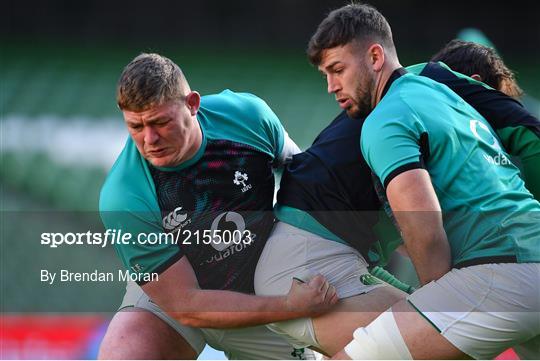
376 56
476 77
193 102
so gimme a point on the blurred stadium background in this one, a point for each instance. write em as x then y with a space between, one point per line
61 130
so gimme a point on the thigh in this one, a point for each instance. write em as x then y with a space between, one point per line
141 329
334 330
423 340
283 257
481 310
139 334
291 252
254 343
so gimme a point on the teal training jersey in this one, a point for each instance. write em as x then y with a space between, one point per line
488 213
217 205
518 129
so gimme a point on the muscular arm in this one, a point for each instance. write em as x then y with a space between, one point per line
177 293
418 213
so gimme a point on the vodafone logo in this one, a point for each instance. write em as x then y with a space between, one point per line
484 135
238 221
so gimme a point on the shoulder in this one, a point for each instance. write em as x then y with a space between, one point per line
419 94
244 105
243 118
442 73
237 112
127 186
401 98
416 68
401 109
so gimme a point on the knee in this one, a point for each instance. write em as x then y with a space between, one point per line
142 335
380 340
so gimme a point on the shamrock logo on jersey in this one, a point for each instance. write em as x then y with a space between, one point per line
240 178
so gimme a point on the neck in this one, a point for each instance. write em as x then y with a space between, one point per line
196 140
382 79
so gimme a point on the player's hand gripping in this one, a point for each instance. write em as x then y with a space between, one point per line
312 298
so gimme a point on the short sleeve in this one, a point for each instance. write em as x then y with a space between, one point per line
391 144
128 208
273 129
247 119
139 253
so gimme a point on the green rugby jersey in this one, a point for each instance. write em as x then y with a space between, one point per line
488 213
227 186
518 130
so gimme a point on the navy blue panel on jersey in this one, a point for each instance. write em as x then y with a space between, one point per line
500 110
332 182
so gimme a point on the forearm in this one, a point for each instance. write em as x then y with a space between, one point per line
417 211
177 292
429 253
226 309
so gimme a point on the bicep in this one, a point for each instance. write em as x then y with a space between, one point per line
412 191
414 203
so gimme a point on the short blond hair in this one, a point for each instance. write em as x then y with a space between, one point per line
148 80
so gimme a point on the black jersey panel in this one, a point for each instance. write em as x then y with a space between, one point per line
500 110
227 193
332 182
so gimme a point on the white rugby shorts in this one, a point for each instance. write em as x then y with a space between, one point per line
485 309
290 253
249 343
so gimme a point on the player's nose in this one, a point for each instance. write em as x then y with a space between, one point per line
333 84
150 135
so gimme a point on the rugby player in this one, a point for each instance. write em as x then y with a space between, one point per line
518 130
327 195
496 100
200 168
469 224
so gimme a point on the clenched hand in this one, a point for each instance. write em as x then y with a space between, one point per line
312 298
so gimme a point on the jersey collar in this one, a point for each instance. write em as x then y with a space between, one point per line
395 75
